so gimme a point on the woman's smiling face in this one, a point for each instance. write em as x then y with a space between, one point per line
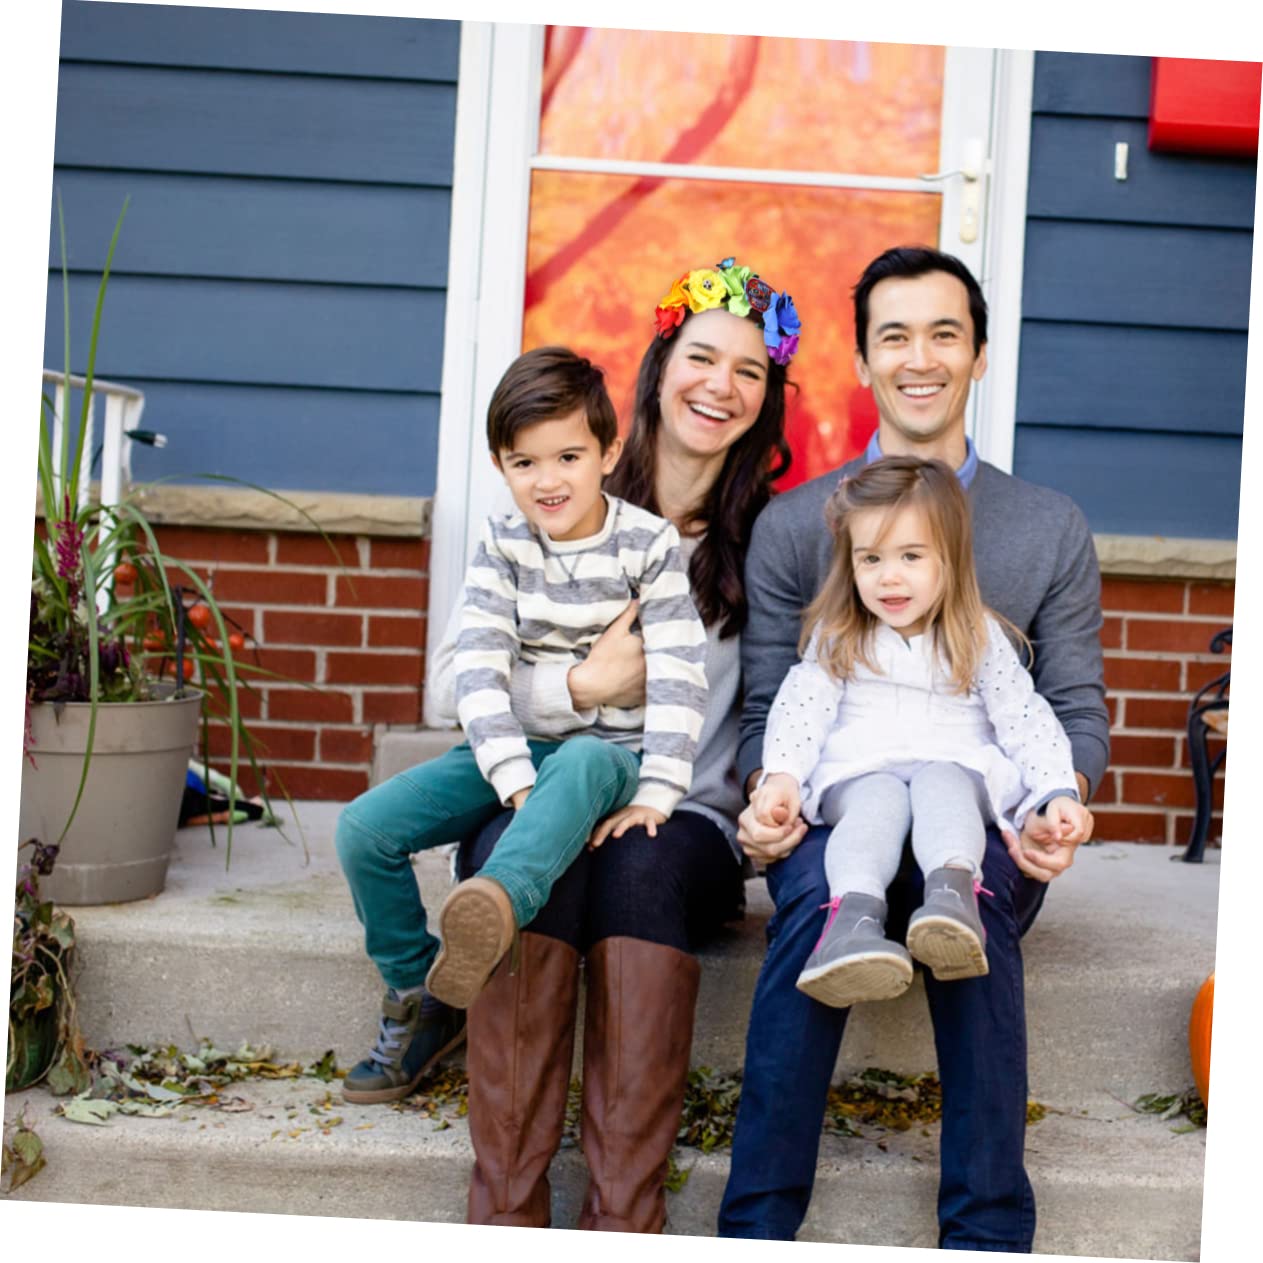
713 383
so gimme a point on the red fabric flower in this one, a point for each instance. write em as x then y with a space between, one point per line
669 320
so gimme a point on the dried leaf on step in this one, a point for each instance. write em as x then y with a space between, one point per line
84 1110
22 1158
143 1109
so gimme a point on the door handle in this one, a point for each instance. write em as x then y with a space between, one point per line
970 172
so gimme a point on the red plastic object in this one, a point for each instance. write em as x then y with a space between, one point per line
1199 1023
1209 107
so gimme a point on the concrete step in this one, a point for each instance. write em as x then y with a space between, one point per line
1109 1183
269 951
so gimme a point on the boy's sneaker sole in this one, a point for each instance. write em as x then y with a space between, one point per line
947 947
475 929
379 1096
856 979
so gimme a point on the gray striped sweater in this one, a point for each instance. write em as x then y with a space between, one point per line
538 599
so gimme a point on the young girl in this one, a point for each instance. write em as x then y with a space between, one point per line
909 710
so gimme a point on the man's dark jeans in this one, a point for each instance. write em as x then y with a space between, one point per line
985 1200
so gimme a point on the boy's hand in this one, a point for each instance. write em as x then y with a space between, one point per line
518 797
627 818
777 801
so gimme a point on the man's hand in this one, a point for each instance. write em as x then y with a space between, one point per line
1041 852
628 818
613 673
770 827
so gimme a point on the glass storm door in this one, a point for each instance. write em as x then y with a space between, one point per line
592 166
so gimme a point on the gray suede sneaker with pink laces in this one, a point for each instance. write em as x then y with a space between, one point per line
854 961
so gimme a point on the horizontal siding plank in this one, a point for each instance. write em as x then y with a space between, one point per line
1092 83
1130 483
271 125
1122 377
256 39
311 440
1138 274
254 333
281 230
1072 177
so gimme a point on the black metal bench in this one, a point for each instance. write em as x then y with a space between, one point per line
1207 714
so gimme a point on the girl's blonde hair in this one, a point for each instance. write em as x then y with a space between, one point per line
957 618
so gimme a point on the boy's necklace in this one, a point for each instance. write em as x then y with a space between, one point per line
568 561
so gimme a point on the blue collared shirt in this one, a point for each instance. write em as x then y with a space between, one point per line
965 473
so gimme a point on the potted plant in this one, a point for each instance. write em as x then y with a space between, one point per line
123 663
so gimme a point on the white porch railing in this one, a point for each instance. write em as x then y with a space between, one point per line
124 406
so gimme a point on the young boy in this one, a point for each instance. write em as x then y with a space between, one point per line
547 579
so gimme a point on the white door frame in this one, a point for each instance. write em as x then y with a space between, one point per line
986 100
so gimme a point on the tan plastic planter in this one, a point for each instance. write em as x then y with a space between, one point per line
120 842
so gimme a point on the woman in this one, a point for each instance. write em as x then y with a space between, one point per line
706 443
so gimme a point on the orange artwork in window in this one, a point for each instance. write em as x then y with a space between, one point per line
603 249
742 101
623 240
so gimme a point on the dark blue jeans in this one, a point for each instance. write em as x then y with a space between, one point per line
985 1200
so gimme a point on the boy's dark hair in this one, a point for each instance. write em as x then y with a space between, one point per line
908 261
547 384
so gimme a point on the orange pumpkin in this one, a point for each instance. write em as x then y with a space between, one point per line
1199 1021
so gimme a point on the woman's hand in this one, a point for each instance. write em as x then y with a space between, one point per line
627 818
613 673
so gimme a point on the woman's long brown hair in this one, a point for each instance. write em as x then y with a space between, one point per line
744 486
957 618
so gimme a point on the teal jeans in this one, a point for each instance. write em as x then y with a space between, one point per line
578 783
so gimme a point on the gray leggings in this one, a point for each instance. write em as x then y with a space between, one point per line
871 815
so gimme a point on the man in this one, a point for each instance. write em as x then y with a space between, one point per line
920 325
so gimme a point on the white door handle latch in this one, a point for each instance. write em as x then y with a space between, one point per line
970 173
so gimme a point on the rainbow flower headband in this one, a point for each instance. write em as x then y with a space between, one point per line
742 292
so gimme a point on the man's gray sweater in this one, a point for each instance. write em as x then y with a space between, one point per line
1036 565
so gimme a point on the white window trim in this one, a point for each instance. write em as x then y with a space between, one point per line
497 121
1004 255
496 135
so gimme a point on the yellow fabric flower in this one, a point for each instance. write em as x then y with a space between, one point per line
678 296
705 288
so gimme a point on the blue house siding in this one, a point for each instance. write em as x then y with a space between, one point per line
278 289
1135 307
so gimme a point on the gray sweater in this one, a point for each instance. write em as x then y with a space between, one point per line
1036 565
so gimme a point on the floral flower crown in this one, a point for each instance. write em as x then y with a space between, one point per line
742 292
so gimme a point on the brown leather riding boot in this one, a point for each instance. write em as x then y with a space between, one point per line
520 1046
637 1036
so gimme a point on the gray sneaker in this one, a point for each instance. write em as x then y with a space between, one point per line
413 1035
854 961
946 932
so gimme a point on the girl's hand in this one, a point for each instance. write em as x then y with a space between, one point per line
627 818
613 673
518 797
1069 822
777 801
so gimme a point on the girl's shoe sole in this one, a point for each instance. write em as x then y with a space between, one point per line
951 950
474 937
856 979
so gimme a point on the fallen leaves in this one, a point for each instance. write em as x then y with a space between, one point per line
22 1156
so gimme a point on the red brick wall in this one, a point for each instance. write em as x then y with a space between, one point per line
351 624
1156 638
358 632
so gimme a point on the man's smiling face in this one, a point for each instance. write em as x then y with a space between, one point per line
920 361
